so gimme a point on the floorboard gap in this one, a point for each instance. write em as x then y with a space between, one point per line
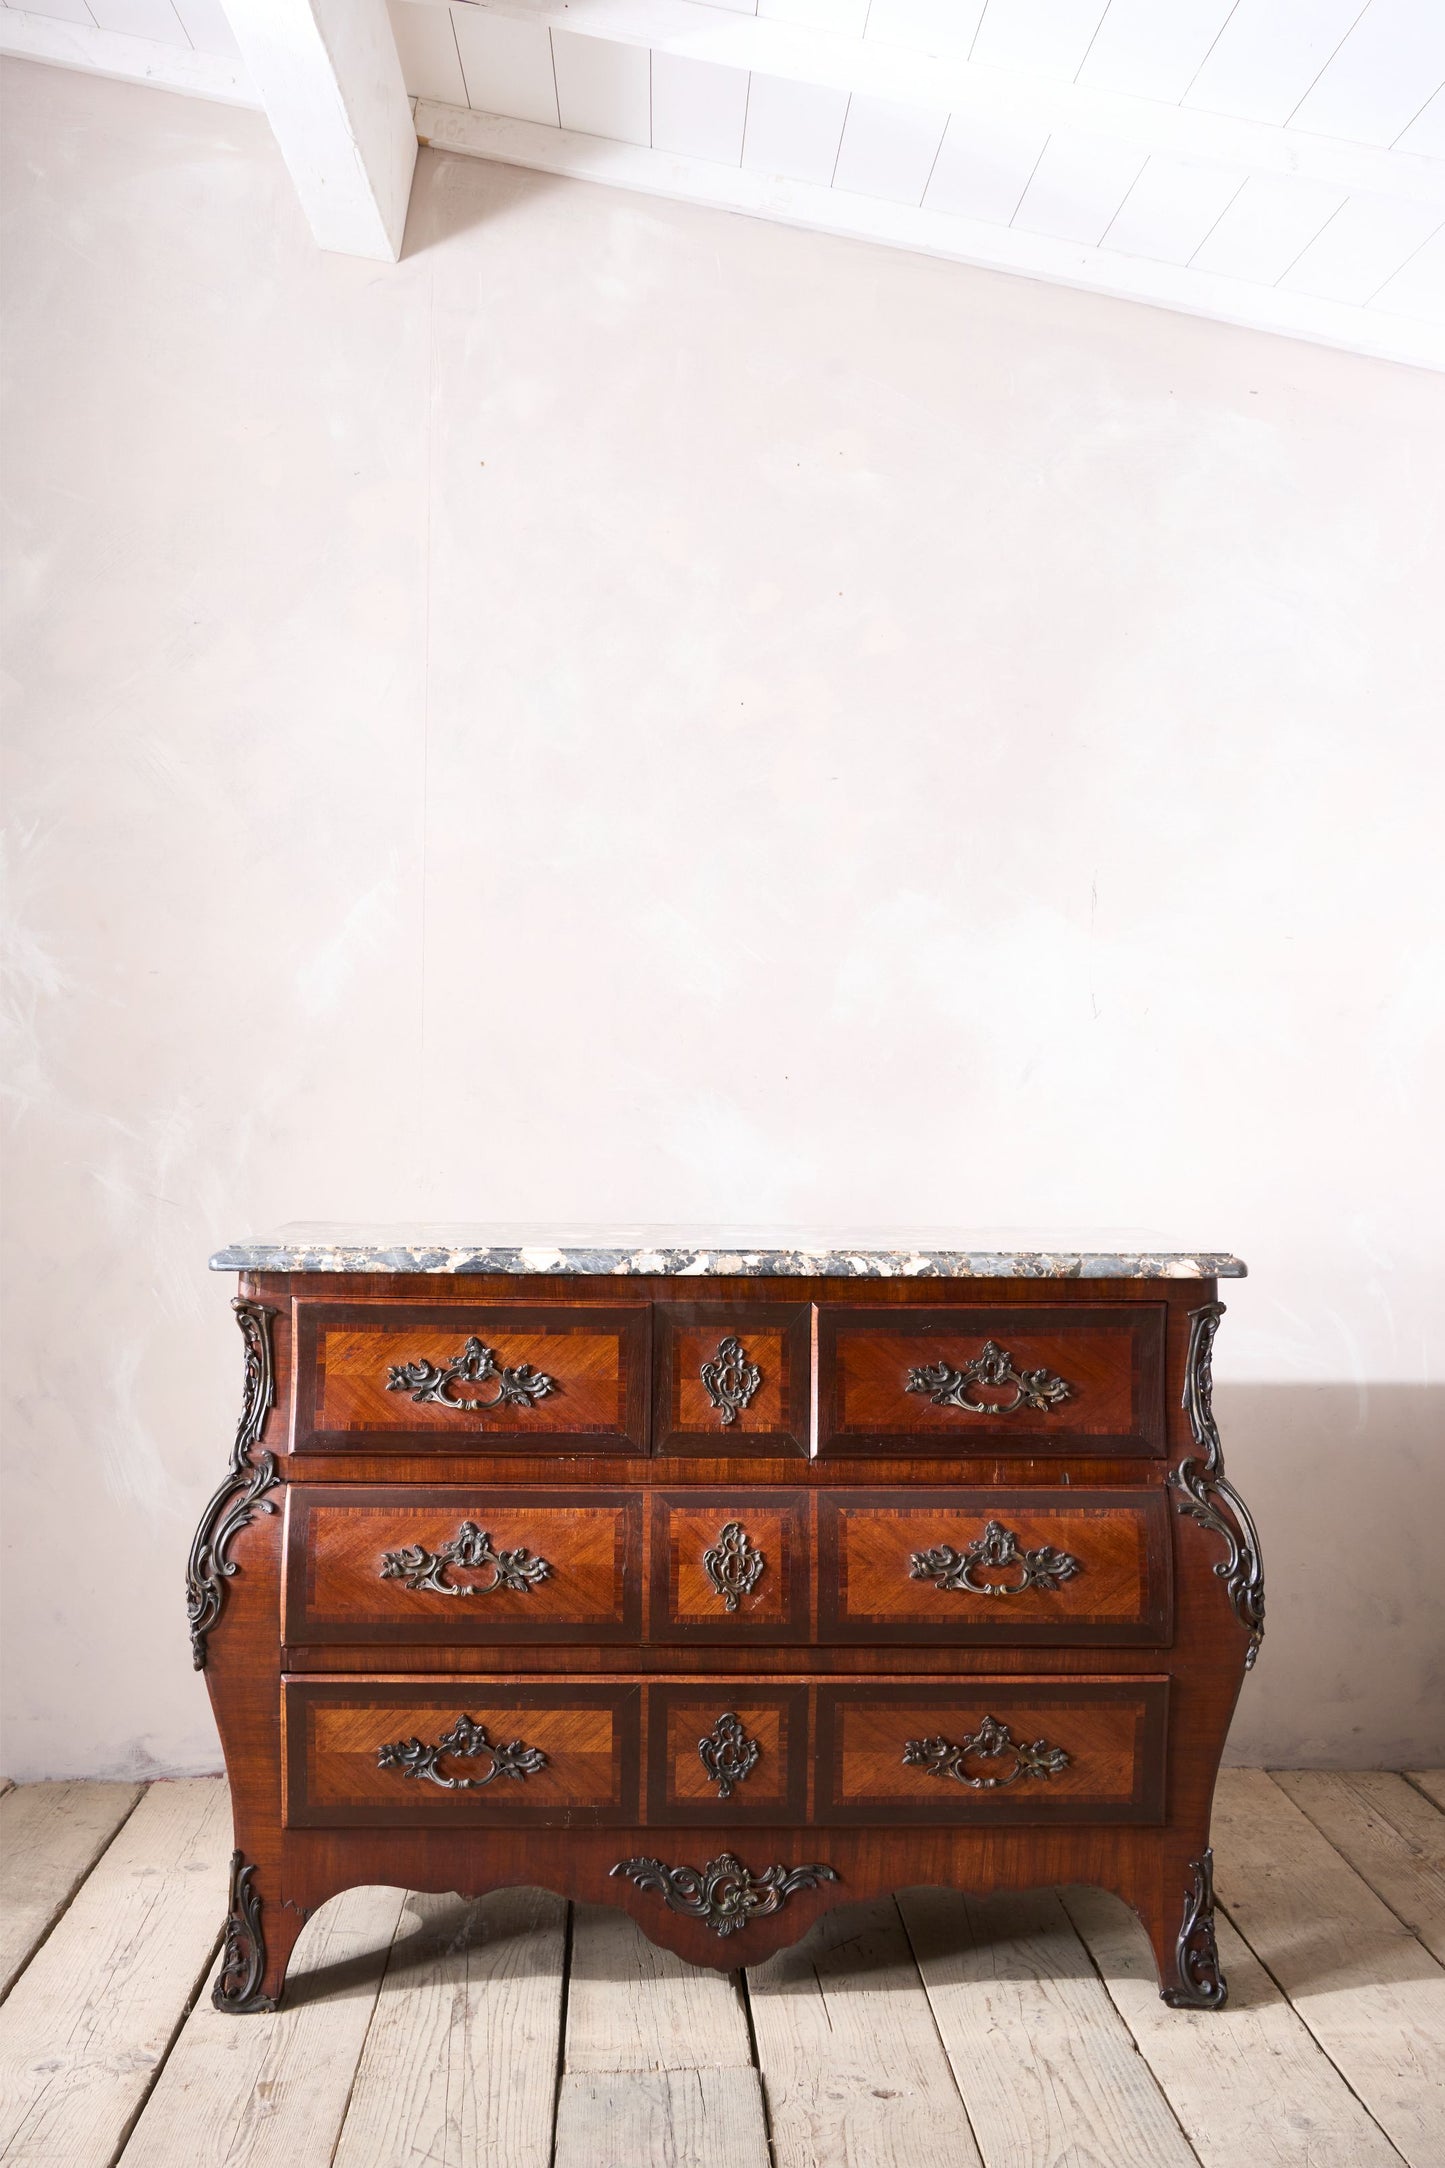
562 2026
176 2030
74 1892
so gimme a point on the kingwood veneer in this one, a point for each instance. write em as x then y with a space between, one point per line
705 1582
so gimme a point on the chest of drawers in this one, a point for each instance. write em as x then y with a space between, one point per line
722 1584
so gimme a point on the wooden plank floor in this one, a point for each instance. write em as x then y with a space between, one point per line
930 2032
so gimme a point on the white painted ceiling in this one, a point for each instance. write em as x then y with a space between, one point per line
1279 163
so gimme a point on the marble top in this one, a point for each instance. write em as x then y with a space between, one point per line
731 1252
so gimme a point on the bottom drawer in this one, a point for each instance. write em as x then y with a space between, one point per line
374 1754
991 1750
460 1751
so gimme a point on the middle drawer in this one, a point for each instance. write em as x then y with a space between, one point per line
728 1568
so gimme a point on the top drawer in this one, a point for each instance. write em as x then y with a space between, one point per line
966 1381
499 1377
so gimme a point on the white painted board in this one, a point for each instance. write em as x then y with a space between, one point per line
507 66
888 149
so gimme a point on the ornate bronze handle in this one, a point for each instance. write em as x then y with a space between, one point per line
416 1759
724 1894
991 1742
471 1547
734 1564
996 1550
728 1754
946 1384
731 1379
521 1387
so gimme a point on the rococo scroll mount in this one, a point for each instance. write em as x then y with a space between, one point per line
466 1739
948 1385
991 1743
725 1895
519 1387
733 1564
1209 1496
731 1379
995 1550
470 1549
728 1754
242 1493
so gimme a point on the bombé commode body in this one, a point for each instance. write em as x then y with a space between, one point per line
722 1582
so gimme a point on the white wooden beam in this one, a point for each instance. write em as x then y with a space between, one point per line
932 233
328 75
941 80
128 60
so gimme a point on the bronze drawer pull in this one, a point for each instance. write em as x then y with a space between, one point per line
471 1546
997 1549
731 1379
521 1387
728 1754
724 1894
415 1759
734 1565
990 1742
947 1384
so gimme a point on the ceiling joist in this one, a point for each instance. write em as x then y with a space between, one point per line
329 78
1287 181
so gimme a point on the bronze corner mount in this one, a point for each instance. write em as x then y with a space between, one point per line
243 1964
242 1493
1209 1496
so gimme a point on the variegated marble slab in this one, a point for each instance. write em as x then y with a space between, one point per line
728 1252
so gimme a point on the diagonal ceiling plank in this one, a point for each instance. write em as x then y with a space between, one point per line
329 78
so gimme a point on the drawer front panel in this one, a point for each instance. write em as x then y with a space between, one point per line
1026 1567
729 1566
388 1377
457 1566
732 1378
374 1754
727 1750
992 1750
1035 1380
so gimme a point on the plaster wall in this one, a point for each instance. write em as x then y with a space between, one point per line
640 713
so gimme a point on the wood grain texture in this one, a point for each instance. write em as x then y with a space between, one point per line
1390 1835
595 1355
336 1731
1248 2083
775 1337
631 2006
90 2019
686 1603
694 2118
439 2042
1110 1359
460 2061
1117 1587
850 2054
1368 1991
1431 1782
681 1789
50 1837
1138 1831
274 2091
339 1539
1112 1732
1046 2067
